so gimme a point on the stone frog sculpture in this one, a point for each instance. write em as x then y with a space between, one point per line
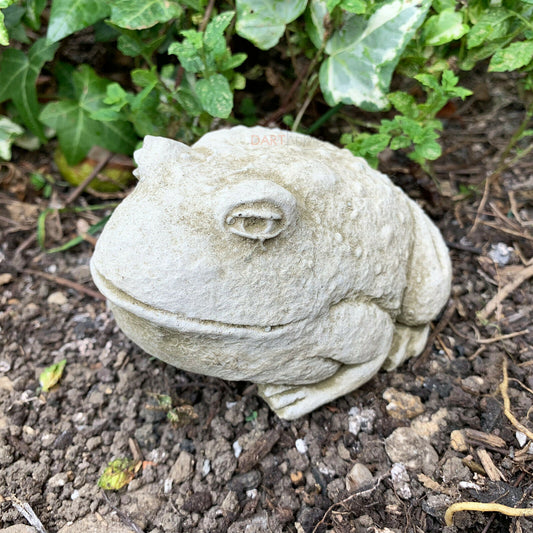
273 257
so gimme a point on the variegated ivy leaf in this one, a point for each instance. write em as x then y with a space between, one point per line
139 14
263 22
364 53
4 38
69 16
9 131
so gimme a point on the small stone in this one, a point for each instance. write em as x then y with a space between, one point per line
403 445
521 438
402 405
458 441
361 420
199 502
473 384
237 449
301 445
500 253
93 443
400 481
358 477
428 426
5 278
58 480
297 478
454 470
19 528
183 468
57 298
244 482
231 502
343 452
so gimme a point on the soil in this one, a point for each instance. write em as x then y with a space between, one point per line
390 457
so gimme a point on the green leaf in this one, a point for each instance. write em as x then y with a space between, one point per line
139 14
355 6
445 27
405 103
4 38
369 146
119 473
215 95
9 131
72 119
515 56
492 25
364 54
214 40
34 9
314 20
69 16
263 22
51 375
188 51
19 72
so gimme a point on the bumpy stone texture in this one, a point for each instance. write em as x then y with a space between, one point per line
268 256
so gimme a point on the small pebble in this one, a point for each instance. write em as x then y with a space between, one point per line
359 476
57 298
301 445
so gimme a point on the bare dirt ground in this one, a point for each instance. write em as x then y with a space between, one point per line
390 457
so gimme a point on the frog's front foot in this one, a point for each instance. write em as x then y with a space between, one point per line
293 401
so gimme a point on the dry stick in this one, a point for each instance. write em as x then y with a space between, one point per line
27 512
502 337
361 492
67 283
491 306
79 189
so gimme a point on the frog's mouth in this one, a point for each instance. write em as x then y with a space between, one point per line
179 321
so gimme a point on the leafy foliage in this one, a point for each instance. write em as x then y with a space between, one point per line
119 473
51 375
184 66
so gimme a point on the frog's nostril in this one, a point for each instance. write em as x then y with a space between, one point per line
256 209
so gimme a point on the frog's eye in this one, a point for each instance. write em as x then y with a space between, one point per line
256 209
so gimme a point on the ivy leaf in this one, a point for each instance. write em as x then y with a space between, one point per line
445 27
263 22
119 473
140 14
72 119
51 375
214 41
69 16
516 55
19 72
493 24
9 131
4 38
215 95
364 53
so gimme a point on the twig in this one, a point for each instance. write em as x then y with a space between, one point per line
79 189
502 337
27 512
67 283
484 508
207 16
507 405
502 294
362 492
